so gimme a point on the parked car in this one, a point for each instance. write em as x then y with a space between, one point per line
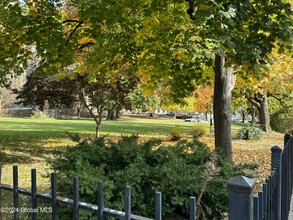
182 116
171 114
193 118
236 119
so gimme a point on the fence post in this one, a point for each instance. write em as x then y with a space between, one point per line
240 190
276 156
158 209
127 205
54 196
15 193
100 201
192 208
286 138
277 159
75 198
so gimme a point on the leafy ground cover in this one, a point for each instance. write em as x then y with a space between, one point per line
30 142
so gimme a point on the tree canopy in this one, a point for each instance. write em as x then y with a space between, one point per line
165 43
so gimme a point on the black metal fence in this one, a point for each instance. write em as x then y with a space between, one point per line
75 203
273 201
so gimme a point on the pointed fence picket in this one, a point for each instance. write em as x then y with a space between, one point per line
272 202
76 204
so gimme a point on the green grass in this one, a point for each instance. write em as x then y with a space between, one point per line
20 128
30 142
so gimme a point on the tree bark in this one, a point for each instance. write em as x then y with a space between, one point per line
117 113
262 106
224 83
243 114
111 114
253 116
264 116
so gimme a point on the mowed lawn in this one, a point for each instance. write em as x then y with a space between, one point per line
28 142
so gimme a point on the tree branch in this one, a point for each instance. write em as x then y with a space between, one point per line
72 32
71 21
85 45
278 98
254 102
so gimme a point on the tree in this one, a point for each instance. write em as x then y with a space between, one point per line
241 35
244 33
12 53
41 90
119 98
203 99
277 84
101 92
168 42
7 98
145 102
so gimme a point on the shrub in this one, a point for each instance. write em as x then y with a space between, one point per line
176 133
249 133
38 114
198 131
178 172
282 120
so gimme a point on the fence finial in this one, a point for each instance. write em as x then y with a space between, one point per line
240 198
275 156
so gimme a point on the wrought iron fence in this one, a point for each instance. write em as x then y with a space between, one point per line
272 202
75 203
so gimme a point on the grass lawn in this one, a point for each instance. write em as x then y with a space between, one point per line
29 142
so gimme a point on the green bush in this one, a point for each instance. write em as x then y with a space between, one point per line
38 114
176 133
178 172
282 120
198 131
249 133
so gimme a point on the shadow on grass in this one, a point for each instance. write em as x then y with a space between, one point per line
27 150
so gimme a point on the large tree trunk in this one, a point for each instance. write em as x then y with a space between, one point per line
117 113
111 114
224 83
264 116
261 103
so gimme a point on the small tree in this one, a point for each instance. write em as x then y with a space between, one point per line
103 93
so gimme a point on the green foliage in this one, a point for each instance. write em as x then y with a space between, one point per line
249 133
142 102
178 172
176 133
282 120
274 105
198 131
43 90
38 114
76 137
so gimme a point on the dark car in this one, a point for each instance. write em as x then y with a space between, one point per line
182 116
170 115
